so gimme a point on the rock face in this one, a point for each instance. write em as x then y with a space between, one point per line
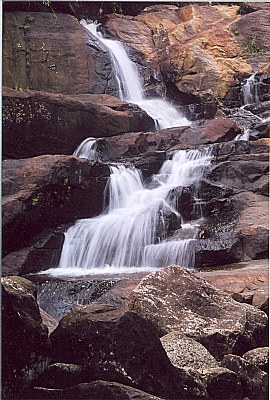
175 300
38 123
135 144
26 347
43 252
32 59
46 191
251 32
237 225
120 346
186 47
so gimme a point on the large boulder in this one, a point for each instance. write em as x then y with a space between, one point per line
176 300
46 191
114 345
26 346
36 123
251 32
43 252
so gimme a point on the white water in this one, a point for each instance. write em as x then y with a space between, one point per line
131 234
250 91
87 149
131 85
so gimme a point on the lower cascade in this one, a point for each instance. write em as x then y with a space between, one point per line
133 233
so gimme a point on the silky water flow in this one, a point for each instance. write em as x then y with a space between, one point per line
132 233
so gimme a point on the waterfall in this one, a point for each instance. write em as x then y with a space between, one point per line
87 149
141 229
250 91
132 234
130 85
251 95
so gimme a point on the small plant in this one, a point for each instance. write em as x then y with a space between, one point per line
35 200
24 27
47 3
254 46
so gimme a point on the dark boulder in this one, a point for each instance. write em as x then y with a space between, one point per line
43 253
60 376
120 346
36 123
26 349
45 191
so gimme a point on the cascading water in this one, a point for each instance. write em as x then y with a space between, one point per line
131 86
132 233
87 149
250 95
250 91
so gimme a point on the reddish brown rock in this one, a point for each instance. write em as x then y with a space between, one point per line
134 144
192 47
45 191
36 123
242 277
175 300
251 31
49 321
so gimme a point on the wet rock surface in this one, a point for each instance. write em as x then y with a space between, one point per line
58 297
171 139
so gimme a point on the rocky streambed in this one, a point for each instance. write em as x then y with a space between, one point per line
175 332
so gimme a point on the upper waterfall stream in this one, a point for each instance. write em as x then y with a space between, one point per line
130 85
